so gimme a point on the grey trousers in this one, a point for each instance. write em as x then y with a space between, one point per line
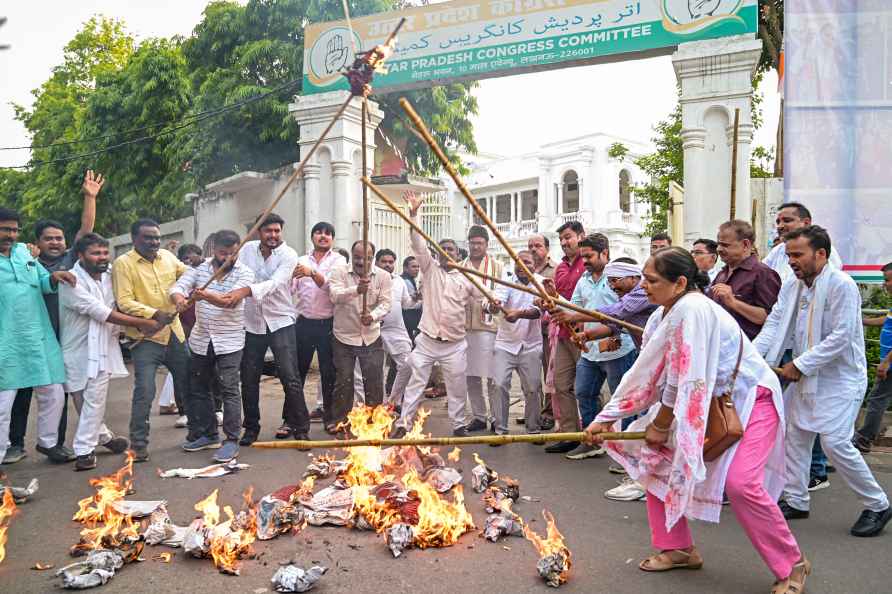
147 356
528 365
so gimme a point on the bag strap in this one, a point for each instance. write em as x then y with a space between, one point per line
737 366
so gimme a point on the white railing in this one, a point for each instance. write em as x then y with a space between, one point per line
517 229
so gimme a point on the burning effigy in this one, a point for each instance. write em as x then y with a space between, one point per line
225 542
554 556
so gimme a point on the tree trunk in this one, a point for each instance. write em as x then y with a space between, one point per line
779 143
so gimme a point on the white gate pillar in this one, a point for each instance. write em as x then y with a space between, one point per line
344 143
716 78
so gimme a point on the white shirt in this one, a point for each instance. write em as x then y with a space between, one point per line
313 302
347 327
835 358
269 305
523 334
445 295
89 343
223 327
393 327
778 261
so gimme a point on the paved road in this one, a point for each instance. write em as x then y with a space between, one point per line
606 538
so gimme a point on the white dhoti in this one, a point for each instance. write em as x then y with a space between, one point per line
481 344
452 357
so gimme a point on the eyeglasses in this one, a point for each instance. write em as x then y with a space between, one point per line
9 229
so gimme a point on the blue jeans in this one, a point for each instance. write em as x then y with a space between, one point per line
818 460
590 376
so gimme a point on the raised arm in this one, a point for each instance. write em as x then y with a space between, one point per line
92 186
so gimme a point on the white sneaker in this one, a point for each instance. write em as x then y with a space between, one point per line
181 421
628 490
219 418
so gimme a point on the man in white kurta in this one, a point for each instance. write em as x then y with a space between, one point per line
397 343
481 332
441 338
820 311
518 348
90 350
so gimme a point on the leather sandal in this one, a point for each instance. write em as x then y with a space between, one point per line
795 584
663 561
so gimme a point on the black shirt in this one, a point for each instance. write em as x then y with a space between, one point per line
65 262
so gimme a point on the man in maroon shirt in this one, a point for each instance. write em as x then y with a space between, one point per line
745 287
564 353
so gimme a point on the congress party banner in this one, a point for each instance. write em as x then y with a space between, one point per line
838 125
470 39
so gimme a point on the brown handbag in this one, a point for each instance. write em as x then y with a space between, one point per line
723 426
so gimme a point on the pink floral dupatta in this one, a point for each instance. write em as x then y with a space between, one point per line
680 350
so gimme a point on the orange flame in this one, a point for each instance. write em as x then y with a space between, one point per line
230 540
440 522
454 455
105 526
552 544
6 512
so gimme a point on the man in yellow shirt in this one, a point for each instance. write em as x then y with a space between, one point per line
142 279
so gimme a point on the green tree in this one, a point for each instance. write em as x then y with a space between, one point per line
238 52
100 48
664 165
771 32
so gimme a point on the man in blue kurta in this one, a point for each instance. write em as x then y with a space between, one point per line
29 349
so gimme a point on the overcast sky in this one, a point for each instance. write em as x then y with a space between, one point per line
517 113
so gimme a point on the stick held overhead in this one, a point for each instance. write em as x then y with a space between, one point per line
366 182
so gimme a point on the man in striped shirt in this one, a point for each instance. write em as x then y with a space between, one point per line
216 343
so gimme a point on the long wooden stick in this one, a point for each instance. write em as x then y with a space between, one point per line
442 441
459 182
298 171
734 164
366 182
559 302
365 206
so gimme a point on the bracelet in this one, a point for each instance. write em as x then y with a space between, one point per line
661 429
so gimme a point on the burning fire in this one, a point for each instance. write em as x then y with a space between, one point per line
231 539
554 556
6 512
454 455
106 527
376 475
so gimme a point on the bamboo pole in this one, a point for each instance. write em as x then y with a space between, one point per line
366 182
734 164
559 302
365 207
459 182
442 441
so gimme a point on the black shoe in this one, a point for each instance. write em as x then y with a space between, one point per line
116 445
476 425
871 523
546 423
248 438
301 437
562 447
316 415
398 433
55 454
140 454
461 432
85 462
861 444
817 483
790 512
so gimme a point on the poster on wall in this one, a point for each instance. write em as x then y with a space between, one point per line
838 122
472 39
